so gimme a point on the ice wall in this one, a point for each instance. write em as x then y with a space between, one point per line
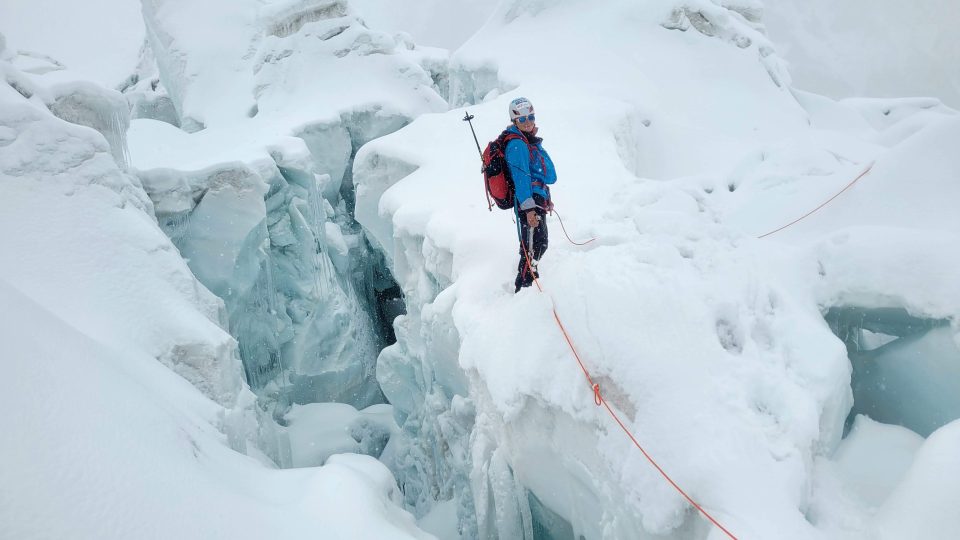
260 197
145 93
104 110
263 239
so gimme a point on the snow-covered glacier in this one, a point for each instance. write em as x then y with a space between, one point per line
679 142
249 234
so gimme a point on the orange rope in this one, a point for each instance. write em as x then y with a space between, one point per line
599 400
567 235
598 396
848 186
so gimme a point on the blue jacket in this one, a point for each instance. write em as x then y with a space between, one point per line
531 169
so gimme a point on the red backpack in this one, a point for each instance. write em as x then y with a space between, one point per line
496 172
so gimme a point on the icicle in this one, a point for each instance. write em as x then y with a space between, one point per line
121 122
321 259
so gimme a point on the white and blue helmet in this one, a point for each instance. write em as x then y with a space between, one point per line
520 107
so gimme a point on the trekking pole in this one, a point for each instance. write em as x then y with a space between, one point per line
467 118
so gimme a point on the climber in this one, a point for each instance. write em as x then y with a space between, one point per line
532 172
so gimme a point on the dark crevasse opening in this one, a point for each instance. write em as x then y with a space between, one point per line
364 278
906 369
380 292
547 524
369 271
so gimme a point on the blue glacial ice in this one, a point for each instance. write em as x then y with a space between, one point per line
265 240
906 369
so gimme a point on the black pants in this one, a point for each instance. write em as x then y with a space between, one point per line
539 246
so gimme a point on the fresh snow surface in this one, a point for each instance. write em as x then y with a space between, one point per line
873 458
709 342
924 504
103 442
320 430
679 135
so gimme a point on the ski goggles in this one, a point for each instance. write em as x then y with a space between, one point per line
523 119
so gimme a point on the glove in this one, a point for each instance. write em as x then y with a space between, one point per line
533 220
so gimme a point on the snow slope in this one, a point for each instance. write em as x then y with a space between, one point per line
677 143
81 239
106 443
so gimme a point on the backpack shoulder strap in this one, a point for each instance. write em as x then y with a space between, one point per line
508 136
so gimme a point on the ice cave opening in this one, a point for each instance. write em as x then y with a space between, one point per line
906 369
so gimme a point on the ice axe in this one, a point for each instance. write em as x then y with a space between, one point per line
531 261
